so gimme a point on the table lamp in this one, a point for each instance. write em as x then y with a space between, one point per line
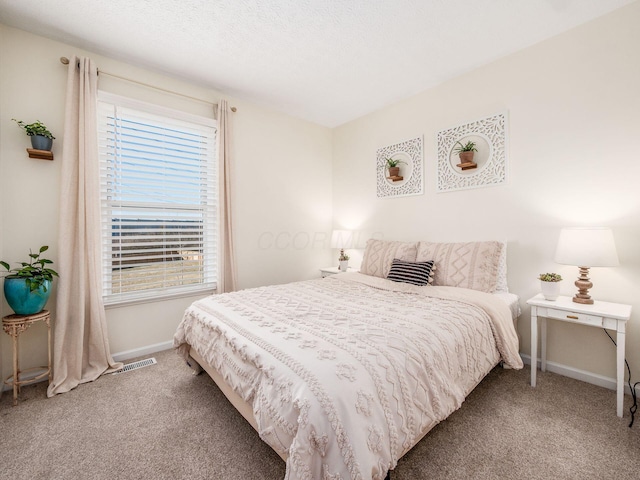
341 239
585 248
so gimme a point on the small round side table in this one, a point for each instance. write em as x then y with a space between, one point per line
14 325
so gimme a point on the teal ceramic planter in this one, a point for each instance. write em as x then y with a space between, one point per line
21 299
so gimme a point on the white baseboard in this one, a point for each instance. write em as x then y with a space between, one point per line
118 357
577 374
27 377
139 352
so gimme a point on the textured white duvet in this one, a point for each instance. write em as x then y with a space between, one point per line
347 373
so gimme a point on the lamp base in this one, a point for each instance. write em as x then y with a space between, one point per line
585 301
584 284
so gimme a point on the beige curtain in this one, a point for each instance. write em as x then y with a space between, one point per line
81 349
227 268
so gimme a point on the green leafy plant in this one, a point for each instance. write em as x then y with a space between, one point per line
343 257
35 128
392 162
550 277
35 272
467 147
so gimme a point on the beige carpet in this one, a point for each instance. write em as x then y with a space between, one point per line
160 422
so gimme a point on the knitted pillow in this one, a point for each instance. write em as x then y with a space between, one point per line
379 254
471 265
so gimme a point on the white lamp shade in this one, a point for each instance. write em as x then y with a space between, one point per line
341 239
587 247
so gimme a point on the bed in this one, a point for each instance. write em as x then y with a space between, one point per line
343 375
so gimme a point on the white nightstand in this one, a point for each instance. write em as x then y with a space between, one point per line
325 272
612 316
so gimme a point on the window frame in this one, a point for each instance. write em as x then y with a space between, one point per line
211 232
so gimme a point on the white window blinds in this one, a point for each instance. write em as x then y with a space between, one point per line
158 183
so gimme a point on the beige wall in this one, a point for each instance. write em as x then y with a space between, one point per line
573 103
281 187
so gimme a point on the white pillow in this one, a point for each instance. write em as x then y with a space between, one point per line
501 284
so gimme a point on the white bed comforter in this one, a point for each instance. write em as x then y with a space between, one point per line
347 373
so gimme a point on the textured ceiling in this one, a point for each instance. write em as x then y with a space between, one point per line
327 61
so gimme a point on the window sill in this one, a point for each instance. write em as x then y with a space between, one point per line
201 292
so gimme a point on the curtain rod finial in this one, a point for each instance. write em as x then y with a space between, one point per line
234 109
64 60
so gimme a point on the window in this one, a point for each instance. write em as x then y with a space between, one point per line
159 195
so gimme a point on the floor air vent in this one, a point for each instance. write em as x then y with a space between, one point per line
136 365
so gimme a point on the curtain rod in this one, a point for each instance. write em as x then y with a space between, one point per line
65 61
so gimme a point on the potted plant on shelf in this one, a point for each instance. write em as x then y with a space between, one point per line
550 285
28 288
344 261
394 169
465 152
41 137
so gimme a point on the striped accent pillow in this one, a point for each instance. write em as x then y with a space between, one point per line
416 273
